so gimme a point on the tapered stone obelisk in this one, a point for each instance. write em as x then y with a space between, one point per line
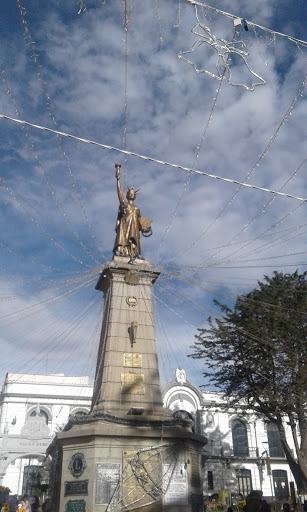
127 376
128 454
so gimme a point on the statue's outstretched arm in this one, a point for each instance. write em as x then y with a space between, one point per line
119 190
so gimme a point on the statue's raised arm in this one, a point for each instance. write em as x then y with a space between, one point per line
119 190
129 223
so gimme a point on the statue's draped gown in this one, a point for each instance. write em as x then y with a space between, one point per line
127 230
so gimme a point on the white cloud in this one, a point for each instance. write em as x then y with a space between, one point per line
82 64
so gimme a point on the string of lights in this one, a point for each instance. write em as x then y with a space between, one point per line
257 164
158 17
55 337
150 159
260 212
46 177
38 225
186 184
60 295
13 252
60 284
249 23
224 50
127 16
51 115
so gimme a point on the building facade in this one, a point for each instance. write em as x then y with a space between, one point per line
243 452
32 409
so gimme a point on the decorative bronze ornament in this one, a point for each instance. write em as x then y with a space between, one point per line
77 464
131 301
132 278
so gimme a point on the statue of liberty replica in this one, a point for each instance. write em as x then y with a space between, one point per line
129 224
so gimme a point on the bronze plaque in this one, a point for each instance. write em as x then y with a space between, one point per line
76 487
142 479
132 383
132 360
132 278
195 475
131 301
75 506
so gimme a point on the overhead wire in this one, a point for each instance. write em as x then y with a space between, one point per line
46 177
262 210
55 342
167 164
150 159
51 115
49 300
9 189
59 284
257 163
250 23
31 260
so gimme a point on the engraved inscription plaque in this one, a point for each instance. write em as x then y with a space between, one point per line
132 360
132 383
75 506
76 487
175 485
195 476
107 479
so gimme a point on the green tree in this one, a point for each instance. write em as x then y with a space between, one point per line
256 353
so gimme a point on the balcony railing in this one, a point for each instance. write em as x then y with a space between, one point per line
243 451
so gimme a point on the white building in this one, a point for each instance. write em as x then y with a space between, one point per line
32 409
242 453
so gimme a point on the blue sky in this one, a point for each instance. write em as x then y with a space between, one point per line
85 75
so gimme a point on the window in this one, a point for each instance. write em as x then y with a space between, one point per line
210 480
244 481
40 412
239 438
280 482
275 447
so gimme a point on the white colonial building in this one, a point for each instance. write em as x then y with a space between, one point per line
32 409
243 452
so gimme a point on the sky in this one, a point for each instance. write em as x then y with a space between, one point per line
166 89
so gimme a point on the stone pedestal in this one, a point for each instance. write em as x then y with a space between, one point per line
128 454
145 466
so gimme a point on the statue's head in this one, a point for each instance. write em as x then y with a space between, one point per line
130 194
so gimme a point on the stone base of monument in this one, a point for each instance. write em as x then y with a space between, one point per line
114 464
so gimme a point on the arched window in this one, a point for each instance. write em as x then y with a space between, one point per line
275 447
39 411
239 438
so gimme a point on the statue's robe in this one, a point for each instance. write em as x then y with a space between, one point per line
127 240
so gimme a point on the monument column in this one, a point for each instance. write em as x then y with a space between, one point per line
128 454
127 376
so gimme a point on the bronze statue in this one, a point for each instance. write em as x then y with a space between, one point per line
129 224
